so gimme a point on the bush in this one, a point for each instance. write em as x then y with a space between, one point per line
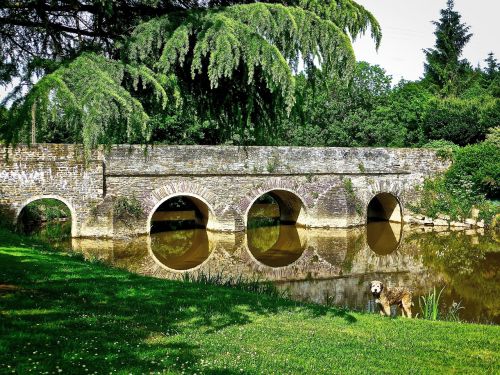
7 216
494 136
125 209
456 120
444 148
476 167
471 181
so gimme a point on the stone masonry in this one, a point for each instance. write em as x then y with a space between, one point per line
316 187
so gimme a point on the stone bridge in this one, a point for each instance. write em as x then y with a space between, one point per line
315 187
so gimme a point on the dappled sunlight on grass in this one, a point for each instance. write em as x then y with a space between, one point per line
87 318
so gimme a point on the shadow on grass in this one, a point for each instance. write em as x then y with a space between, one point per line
83 317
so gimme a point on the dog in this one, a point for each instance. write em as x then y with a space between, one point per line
386 297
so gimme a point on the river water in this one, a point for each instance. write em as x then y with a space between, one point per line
327 266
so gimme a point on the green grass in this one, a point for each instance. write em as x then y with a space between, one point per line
84 317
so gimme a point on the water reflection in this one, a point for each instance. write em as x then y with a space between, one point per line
181 249
334 267
383 236
276 245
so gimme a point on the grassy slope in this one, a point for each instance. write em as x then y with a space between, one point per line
85 317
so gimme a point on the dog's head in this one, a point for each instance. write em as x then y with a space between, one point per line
376 287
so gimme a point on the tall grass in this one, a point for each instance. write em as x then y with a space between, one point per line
253 285
429 305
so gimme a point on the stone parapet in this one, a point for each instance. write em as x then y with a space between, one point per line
317 187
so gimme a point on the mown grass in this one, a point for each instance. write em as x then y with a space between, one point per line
81 317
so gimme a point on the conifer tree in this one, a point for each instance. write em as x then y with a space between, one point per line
444 67
492 67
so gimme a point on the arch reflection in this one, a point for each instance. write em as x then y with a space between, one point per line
276 245
182 249
383 237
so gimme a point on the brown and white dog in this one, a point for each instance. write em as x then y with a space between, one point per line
386 297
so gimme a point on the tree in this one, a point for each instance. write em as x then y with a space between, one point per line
461 121
492 75
492 67
399 119
444 69
330 112
104 77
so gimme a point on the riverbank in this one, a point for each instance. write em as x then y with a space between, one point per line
58 312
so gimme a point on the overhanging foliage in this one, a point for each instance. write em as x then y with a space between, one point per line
237 61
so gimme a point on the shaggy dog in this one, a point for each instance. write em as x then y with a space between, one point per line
386 297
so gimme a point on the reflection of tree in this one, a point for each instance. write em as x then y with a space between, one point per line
275 246
355 244
263 239
175 242
181 250
47 218
55 231
470 268
481 286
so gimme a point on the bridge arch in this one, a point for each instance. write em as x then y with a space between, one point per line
384 207
384 219
293 208
207 212
74 219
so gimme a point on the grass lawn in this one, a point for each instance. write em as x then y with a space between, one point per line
72 316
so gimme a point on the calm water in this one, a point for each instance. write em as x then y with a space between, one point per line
332 266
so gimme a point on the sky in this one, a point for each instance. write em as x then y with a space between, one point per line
407 30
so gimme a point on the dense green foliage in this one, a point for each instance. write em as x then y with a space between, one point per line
59 312
471 181
461 121
231 65
127 209
45 210
264 73
46 219
477 166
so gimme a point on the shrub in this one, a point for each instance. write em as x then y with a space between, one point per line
126 208
444 148
461 121
351 196
7 216
478 168
493 136
473 180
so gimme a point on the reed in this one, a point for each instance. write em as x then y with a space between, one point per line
429 305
